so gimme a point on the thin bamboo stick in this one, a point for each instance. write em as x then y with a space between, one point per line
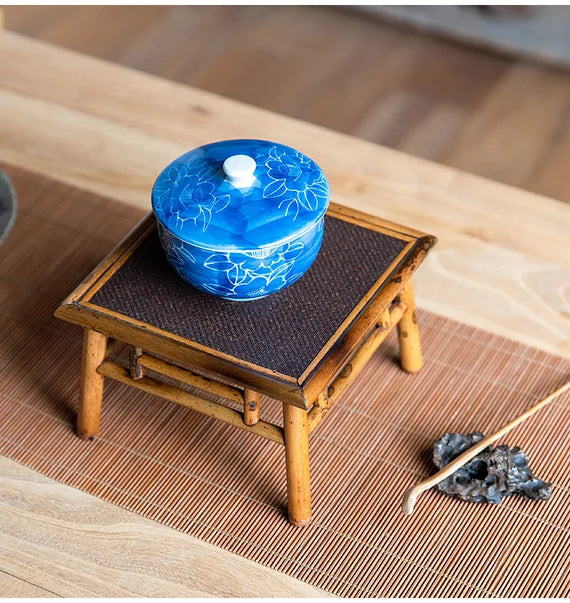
315 416
322 400
411 495
175 394
189 378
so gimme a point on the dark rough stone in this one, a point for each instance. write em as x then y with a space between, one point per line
490 476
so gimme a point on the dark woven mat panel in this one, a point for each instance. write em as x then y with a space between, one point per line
282 332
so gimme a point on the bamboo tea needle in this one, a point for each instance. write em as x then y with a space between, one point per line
411 495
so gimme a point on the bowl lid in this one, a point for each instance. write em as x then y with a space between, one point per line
240 194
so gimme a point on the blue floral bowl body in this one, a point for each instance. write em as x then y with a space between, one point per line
241 218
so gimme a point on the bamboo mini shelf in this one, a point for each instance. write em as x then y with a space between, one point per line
301 346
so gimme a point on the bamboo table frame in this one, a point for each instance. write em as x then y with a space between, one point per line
389 303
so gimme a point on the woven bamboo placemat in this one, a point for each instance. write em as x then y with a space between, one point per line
227 487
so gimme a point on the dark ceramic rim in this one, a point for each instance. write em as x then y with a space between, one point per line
7 202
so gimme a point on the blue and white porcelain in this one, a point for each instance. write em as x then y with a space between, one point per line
241 218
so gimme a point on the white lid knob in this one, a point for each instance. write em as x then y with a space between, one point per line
239 169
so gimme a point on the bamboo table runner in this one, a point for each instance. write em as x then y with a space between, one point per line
199 476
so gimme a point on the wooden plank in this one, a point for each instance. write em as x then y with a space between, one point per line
32 20
550 173
106 31
494 275
364 176
11 587
485 144
435 133
76 545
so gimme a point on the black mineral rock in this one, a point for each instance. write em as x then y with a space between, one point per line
491 475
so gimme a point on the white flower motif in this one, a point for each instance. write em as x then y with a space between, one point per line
296 181
241 269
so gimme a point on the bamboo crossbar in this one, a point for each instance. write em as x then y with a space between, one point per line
189 378
179 396
359 359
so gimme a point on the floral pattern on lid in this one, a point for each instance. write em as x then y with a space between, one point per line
200 203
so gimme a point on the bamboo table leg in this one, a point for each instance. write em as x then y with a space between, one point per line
91 397
408 333
297 461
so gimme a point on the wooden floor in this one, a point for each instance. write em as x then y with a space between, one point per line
497 117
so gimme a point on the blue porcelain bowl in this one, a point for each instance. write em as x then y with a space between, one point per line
241 218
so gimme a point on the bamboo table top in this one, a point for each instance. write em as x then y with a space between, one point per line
501 264
277 345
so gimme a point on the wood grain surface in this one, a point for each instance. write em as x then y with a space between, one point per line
76 545
11 587
502 258
498 117
502 264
